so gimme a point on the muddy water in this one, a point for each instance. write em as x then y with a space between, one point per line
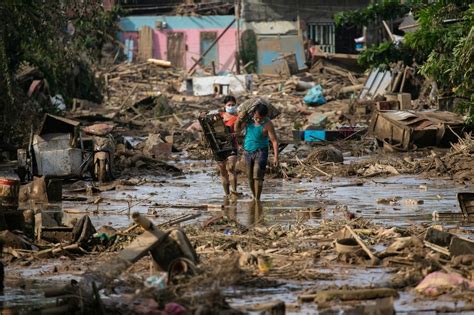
280 199
169 197
24 288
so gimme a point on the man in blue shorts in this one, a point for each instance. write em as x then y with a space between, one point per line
259 132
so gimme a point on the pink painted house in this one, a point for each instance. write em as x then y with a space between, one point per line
182 39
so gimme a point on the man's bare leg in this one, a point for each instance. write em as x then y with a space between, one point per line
258 188
250 172
252 185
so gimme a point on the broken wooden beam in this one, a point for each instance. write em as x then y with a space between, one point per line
354 294
352 88
159 62
447 243
373 258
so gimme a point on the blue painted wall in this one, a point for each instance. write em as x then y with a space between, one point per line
134 23
281 45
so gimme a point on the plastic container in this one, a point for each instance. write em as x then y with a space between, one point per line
314 135
158 281
9 191
347 245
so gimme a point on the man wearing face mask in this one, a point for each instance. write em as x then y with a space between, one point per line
259 132
227 166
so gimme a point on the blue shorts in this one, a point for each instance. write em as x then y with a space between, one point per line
256 163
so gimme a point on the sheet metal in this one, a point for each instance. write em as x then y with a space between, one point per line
56 147
376 84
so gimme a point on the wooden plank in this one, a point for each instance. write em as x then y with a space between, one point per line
461 246
140 246
437 248
176 49
373 258
145 43
341 56
466 203
354 294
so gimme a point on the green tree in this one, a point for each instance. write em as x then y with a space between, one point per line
62 39
444 40
442 44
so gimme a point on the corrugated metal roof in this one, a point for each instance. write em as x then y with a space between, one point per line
376 84
399 115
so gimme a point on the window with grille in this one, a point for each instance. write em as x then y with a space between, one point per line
324 34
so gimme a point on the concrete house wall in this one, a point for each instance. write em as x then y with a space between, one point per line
191 27
308 10
315 16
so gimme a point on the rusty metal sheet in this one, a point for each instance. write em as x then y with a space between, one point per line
444 117
400 115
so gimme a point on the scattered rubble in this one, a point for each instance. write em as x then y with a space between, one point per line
256 256
349 128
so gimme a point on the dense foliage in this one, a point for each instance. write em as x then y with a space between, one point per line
386 10
445 39
60 38
443 44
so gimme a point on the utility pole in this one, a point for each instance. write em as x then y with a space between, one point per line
298 17
237 18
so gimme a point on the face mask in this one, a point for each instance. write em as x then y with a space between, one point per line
231 110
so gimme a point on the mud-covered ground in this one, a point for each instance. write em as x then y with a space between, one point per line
303 263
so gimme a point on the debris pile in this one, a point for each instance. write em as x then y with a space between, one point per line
458 162
336 81
265 256
134 82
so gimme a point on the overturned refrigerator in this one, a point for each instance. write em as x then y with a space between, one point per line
408 130
57 149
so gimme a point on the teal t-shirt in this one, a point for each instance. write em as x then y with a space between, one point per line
254 138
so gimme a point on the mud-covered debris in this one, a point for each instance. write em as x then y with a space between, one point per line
354 294
10 239
325 154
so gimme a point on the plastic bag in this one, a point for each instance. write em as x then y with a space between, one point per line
315 96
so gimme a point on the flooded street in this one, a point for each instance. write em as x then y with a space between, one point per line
167 197
198 191
236 157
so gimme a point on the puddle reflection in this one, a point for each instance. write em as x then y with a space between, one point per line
255 213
